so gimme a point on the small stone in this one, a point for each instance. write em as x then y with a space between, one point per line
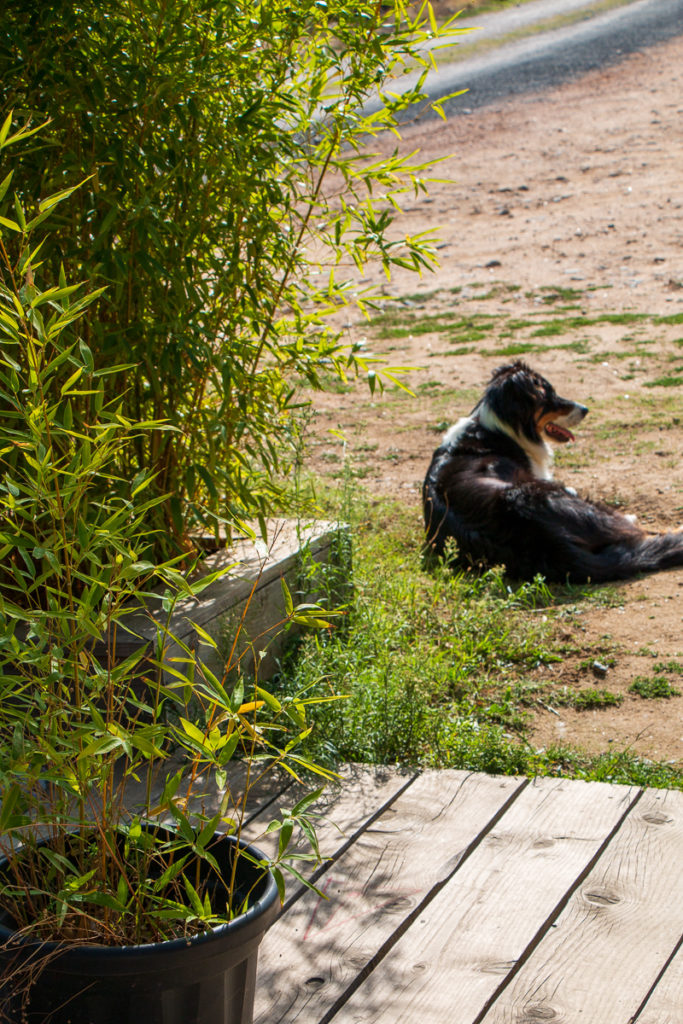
598 669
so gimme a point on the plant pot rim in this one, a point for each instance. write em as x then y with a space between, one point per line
250 922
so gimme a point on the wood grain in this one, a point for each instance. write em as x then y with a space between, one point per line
458 951
344 808
320 947
665 1005
619 927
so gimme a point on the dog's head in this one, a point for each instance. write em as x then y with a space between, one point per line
523 403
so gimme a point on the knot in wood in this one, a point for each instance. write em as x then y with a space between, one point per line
657 818
602 899
539 1011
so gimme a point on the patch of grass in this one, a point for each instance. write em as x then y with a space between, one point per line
335 385
653 687
549 294
588 663
584 700
511 326
552 329
668 381
462 350
571 323
620 767
492 290
581 346
419 298
402 325
434 665
517 348
672 667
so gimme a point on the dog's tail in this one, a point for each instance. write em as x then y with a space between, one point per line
623 560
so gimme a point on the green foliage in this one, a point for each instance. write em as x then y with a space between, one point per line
653 687
669 380
81 724
435 666
228 192
671 667
415 658
585 700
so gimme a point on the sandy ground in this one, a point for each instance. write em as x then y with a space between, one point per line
559 210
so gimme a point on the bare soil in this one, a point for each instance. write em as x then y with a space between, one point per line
560 236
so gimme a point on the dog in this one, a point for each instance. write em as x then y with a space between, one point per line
490 488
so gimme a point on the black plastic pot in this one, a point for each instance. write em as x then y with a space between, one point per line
207 979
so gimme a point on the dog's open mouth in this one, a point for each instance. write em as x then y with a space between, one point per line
557 433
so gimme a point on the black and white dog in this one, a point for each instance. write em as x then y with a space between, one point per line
490 488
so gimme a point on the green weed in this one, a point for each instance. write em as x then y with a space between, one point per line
571 323
462 350
404 325
653 687
549 294
581 346
668 381
672 667
515 349
585 700
434 665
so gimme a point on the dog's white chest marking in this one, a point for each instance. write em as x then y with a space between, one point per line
540 454
541 457
454 433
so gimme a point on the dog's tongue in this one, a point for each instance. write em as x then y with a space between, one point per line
558 433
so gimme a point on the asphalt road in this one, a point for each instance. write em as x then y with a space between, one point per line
546 60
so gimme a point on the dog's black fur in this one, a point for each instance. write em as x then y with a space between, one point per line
489 488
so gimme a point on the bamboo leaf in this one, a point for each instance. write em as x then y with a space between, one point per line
289 604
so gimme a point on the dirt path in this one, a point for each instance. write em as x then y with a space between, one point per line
560 239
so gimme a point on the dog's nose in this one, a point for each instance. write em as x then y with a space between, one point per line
583 409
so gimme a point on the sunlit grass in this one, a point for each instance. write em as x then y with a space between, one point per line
435 665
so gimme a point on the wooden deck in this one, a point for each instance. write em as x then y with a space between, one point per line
455 898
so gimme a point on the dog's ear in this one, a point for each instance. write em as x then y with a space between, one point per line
513 397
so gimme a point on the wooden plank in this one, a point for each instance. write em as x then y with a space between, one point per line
609 945
219 608
344 808
454 956
665 1005
315 952
205 795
